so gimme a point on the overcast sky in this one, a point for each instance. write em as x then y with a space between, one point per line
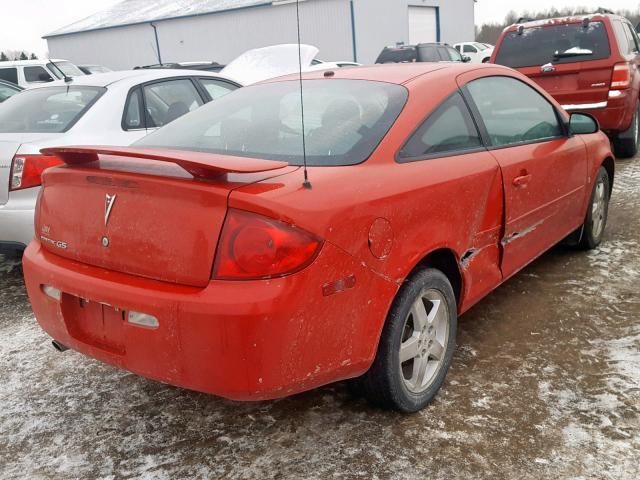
24 22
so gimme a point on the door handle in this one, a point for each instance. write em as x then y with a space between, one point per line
522 181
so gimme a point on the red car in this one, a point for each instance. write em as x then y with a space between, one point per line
588 64
199 257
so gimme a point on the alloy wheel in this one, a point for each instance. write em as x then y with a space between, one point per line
598 209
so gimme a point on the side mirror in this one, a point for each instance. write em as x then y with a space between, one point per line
583 124
466 59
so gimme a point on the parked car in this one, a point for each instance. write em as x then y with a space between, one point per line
423 52
8 89
93 69
115 108
431 184
589 64
316 63
206 66
30 73
477 52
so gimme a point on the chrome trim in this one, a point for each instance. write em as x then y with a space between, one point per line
586 106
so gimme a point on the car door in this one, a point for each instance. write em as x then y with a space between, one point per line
544 170
471 52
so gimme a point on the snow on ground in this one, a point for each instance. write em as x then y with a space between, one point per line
545 384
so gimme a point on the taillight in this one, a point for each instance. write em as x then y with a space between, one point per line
26 170
621 77
253 246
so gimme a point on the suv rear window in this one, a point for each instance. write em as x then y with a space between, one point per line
50 109
567 43
344 121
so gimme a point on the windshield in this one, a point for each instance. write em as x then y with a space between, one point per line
344 121
480 46
50 109
66 68
537 46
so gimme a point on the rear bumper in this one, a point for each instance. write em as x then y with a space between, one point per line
614 115
16 220
248 340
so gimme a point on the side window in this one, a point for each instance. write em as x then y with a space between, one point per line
444 54
633 38
166 101
216 88
9 74
428 54
448 129
621 37
469 49
513 112
36 74
457 47
133 112
455 56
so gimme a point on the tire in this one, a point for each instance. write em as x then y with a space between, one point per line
596 219
626 144
427 336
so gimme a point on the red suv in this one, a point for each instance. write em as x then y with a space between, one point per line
587 63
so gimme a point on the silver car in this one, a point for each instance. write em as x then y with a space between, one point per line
114 108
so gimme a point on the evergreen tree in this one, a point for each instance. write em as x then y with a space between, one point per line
3 57
23 56
33 57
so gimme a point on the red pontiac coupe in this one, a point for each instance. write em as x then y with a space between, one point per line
198 257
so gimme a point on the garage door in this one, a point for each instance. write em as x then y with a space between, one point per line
422 25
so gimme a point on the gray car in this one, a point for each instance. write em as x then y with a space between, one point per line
115 108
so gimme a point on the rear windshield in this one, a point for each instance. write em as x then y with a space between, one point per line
565 43
49 109
398 55
344 121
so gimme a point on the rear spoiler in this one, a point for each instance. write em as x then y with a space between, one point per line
199 164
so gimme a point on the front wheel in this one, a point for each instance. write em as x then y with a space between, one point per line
416 345
626 144
597 213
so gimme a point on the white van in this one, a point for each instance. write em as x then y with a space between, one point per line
28 73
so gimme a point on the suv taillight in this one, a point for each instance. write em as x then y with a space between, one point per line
621 78
253 246
26 170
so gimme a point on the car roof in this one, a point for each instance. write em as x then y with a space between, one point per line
132 77
399 73
19 63
545 22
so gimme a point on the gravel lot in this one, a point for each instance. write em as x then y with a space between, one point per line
545 384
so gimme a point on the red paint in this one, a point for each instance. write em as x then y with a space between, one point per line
310 324
589 82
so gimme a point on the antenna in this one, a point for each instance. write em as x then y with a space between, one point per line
306 183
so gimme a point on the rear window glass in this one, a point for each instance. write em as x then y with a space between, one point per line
344 121
50 109
398 55
566 43
9 74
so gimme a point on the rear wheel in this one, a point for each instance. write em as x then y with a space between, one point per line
626 144
597 213
416 345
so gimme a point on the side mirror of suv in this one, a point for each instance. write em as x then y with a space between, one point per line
466 58
583 124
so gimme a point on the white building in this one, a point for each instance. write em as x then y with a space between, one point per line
139 32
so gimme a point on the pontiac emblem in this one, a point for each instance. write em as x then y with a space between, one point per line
108 205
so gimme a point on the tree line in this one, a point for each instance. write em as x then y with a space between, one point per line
8 55
490 32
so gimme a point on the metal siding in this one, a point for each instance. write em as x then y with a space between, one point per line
220 37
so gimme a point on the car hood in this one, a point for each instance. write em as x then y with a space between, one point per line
269 62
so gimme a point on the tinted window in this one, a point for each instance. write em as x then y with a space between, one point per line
133 111
454 55
448 129
6 91
36 74
344 121
166 101
49 109
9 74
428 53
398 55
633 38
513 112
216 88
538 46
469 49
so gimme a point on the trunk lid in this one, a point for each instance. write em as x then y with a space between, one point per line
574 83
142 215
